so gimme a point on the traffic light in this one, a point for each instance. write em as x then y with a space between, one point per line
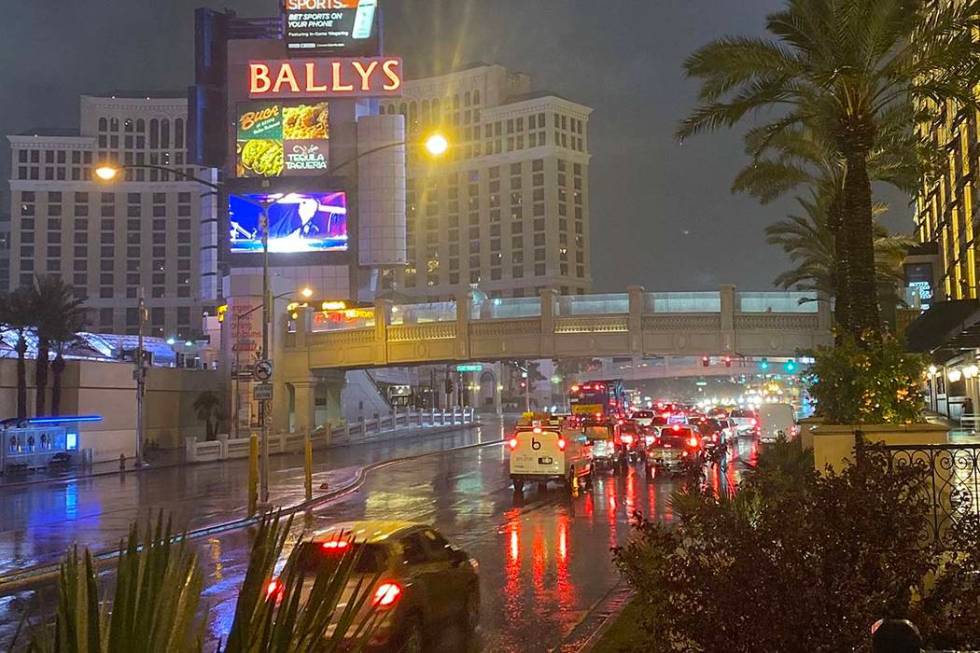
790 366
764 364
728 361
705 361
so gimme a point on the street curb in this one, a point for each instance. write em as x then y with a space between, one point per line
148 468
616 600
32 575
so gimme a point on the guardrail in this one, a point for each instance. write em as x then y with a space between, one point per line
363 430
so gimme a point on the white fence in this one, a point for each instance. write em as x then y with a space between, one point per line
363 430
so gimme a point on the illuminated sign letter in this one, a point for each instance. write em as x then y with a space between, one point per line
286 76
338 85
365 74
390 68
259 81
311 85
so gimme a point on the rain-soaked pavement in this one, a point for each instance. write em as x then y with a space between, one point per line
544 557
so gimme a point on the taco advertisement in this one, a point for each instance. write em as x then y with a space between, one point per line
276 139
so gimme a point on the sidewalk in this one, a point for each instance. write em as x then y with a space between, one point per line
39 521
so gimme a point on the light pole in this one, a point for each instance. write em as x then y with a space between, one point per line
139 375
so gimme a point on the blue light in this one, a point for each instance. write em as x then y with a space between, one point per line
64 419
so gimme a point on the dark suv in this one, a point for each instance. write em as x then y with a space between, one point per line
422 583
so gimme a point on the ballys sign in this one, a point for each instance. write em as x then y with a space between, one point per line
316 78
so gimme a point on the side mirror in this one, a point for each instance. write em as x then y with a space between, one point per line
457 557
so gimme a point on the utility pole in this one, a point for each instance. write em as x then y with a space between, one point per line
139 375
266 315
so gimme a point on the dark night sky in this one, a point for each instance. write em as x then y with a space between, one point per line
662 214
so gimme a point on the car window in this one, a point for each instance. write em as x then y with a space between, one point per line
436 545
315 556
413 549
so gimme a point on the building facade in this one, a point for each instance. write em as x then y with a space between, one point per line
945 203
508 210
149 232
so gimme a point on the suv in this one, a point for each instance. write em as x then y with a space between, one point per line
675 448
422 582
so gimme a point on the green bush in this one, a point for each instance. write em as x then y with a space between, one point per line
872 384
795 561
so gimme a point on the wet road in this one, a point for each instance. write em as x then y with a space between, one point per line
544 557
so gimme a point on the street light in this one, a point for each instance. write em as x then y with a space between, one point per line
436 144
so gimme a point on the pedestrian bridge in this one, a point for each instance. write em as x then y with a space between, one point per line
636 323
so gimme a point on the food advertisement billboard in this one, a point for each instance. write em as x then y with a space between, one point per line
275 139
344 28
298 222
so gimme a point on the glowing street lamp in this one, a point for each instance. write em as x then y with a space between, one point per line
306 292
436 144
107 172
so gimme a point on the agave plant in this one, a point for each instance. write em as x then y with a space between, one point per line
155 607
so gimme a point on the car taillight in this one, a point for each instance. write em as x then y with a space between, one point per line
274 590
561 444
335 546
714 437
693 441
676 427
650 440
513 443
754 422
387 595
628 439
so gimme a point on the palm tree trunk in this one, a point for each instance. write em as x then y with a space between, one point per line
41 376
858 237
21 376
838 276
57 369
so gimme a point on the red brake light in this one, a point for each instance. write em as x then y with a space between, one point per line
274 590
513 443
628 439
693 441
335 545
575 388
387 595
561 444
676 427
754 422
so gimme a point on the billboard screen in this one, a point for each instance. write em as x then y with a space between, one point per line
298 222
343 28
275 139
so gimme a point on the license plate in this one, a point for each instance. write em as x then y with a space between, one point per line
546 460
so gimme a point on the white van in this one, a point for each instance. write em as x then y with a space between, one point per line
776 420
541 453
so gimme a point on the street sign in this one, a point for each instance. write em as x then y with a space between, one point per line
262 392
263 370
469 367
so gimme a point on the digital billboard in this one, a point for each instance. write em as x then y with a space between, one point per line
298 222
275 139
343 28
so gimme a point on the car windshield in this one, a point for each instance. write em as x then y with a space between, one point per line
676 433
742 413
314 556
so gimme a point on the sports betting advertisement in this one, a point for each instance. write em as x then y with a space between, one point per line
341 28
298 222
275 139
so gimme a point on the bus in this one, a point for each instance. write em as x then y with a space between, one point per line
598 401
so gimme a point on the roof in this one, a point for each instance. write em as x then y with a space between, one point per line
131 94
536 95
946 325
369 531
51 131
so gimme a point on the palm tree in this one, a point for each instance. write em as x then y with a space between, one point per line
844 65
210 410
59 316
810 244
18 310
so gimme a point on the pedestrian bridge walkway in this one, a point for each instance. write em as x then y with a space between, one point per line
636 323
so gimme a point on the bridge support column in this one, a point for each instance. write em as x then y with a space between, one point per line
549 310
637 298
728 310
382 315
304 406
464 304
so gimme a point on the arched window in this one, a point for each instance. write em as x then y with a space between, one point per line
140 126
179 133
425 111
467 99
476 97
114 124
403 109
103 124
154 133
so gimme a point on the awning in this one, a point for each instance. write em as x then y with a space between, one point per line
951 325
